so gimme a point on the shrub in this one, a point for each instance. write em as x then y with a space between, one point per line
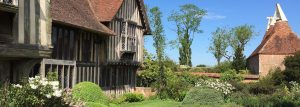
89 92
176 88
202 69
223 87
203 96
178 85
292 64
201 65
264 86
132 97
223 66
231 76
37 92
278 76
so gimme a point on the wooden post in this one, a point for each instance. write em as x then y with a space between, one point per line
68 76
62 76
74 75
42 69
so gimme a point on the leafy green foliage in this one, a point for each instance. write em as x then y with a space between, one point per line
264 86
202 69
278 76
219 43
231 76
241 35
178 85
292 71
239 60
201 65
187 21
159 43
223 66
203 96
89 92
36 92
150 70
52 76
132 97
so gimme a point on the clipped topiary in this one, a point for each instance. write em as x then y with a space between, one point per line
203 96
89 92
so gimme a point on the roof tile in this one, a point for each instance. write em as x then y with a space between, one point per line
77 13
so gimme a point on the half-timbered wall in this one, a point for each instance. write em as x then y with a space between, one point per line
125 50
80 55
33 23
86 49
128 26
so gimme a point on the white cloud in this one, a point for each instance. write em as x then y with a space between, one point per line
213 16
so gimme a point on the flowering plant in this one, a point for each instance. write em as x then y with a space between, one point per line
216 84
38 91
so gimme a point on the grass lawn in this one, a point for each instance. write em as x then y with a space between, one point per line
170 103
153 103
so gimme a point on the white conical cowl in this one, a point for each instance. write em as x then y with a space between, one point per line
279 14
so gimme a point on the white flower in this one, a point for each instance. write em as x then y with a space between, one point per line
57 93
31 78
17 86
48 95
54 83
37 77
55 87
44 83
33 86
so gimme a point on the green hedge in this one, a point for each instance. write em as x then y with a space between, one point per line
131 97
203 96
89 92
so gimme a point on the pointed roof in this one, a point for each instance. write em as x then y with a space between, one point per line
77 13
279 38
278 15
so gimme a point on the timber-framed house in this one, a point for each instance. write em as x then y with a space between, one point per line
83 40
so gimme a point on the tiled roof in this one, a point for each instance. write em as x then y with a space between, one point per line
106 10
278 40
77 13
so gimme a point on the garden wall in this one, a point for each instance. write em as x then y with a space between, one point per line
146 91
247 78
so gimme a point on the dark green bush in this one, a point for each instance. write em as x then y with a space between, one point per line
203 96
292 67
278 77
89 92
265 85
132 97
201 65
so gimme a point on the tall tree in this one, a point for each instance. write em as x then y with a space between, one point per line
220 44
159 43
241 35
187 21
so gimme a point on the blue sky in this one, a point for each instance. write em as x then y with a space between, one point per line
221 13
